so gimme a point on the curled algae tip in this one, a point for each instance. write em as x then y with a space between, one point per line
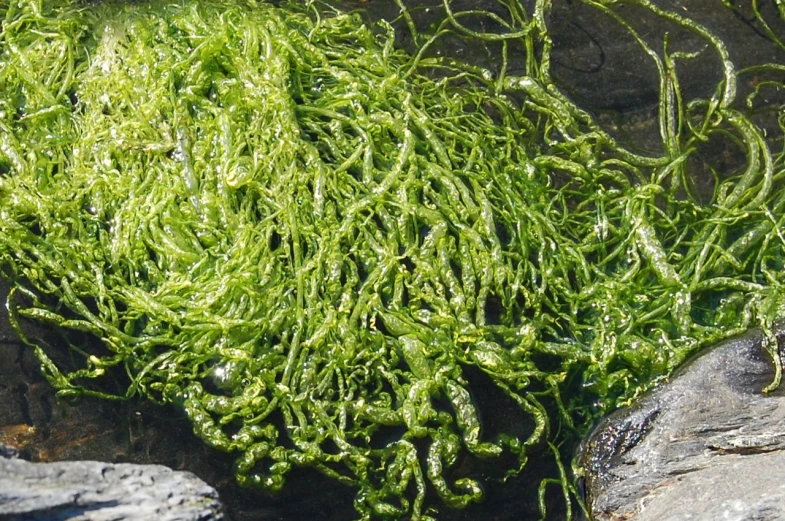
307 238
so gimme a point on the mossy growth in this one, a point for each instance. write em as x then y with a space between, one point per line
308 239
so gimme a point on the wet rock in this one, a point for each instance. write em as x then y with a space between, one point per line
94 491
706 445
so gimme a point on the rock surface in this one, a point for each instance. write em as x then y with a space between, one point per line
94 491
706 445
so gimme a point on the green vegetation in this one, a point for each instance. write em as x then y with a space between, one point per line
315 243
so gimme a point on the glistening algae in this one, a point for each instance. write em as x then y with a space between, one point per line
315 243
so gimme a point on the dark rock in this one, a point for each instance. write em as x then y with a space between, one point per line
94 491
599 64
8 452
708 444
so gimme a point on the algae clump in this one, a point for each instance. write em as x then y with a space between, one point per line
309 239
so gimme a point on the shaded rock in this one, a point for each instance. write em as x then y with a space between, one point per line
708 444
95 491
600 65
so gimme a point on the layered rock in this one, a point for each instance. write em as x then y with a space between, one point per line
96 491
708 444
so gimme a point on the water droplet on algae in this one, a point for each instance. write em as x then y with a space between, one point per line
225 376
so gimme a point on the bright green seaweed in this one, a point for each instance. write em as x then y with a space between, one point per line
306 237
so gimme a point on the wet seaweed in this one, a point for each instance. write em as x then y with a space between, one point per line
309 239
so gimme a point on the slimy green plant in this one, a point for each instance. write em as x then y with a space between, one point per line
313 242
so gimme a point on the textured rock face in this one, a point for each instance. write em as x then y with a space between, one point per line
706 445
94 491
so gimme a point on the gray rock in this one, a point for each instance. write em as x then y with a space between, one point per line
95 491
706 445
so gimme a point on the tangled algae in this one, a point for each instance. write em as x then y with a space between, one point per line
314 242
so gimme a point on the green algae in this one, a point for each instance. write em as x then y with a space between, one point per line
308 238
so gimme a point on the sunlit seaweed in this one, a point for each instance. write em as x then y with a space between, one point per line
306 237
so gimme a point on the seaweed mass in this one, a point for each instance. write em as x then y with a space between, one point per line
317 244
